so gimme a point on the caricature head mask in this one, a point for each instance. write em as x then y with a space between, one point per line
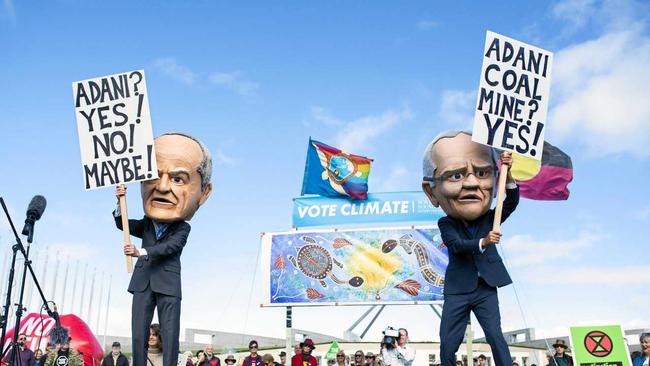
183 184
459 175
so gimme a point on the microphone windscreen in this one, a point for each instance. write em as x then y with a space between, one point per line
37 206
59 335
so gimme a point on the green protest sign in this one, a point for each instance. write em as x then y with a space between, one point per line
332 351
599 346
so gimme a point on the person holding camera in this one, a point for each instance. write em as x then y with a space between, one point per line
389 354
408 353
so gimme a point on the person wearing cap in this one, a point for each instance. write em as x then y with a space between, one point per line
230 360
644 358
253 359
283 358
369 358
560 358
116 357
305 358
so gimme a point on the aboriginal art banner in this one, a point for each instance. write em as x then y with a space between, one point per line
353 267
333 173
599 345
399 208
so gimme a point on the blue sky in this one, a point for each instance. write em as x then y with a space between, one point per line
255 80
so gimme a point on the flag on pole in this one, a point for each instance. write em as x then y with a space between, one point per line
545 180
332 172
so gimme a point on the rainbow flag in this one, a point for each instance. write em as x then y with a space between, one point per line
332 172
547 179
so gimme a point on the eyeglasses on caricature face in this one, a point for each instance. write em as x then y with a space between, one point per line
458 175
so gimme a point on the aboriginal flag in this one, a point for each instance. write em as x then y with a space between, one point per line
545 180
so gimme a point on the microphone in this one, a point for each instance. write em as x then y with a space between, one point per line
34 212
58 334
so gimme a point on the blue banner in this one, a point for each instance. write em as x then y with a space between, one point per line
380 208
353 267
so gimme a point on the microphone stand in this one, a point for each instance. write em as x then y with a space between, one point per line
14 360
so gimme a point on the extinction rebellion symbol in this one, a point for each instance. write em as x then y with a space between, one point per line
598 343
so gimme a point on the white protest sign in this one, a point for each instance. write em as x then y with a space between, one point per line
513 96
114 128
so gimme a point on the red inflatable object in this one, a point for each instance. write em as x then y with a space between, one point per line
83 339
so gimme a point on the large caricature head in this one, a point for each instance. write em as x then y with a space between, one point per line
183 184
459 175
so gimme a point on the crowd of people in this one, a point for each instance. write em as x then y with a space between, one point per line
393 351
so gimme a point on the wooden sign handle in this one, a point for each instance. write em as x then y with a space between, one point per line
125 231
501 190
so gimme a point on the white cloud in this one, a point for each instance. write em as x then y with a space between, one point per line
321 115
221 158
576 13
598 276
234 81
457 108
169 67
599 92
356 135
426 24
524 250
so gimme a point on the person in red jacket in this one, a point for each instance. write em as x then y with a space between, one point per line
305 358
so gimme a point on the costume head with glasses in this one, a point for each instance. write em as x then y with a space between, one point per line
459 175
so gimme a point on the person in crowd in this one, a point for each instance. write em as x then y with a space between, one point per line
389 355
189 358
297 349
230 360
644 358
49 348
358 358
154 346
340 358
515 363
115 358
305 358
283 358
25 355
407 353
268 360
369 359
331 362
560 358
253 359
209 354
202 359
64 356
482 360
39 360
459 363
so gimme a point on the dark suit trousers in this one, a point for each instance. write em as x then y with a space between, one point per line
455 314
169 315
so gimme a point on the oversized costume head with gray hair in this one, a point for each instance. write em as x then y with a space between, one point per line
184 170
459 175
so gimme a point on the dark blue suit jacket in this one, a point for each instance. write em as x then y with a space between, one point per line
465 258
161 267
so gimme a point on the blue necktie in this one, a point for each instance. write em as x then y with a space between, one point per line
160 230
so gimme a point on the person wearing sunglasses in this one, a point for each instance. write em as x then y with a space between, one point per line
340 359
359 358
253 359
25 355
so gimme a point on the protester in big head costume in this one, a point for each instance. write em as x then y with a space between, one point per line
184 169
460 177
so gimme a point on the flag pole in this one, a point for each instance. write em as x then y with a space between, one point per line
503 175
